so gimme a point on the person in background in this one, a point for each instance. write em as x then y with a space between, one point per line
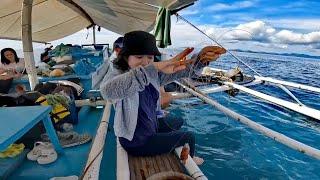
10 61
44 57
117 46
135 88
10 67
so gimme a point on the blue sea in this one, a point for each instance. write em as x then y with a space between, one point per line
232 150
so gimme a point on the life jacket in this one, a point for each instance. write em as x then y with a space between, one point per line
58 113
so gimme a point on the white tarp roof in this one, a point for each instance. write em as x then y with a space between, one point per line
55 19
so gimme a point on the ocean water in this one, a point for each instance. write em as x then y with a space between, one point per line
232 150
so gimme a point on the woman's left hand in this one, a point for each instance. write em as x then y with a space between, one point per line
210 53
179 62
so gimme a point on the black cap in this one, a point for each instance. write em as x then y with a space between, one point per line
139 43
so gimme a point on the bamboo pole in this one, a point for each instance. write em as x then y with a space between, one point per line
292 106
290 84
303 148
88 102
26 30
123 170
92 168
176 95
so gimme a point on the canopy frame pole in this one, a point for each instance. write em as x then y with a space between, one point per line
26 30
94 34
294 144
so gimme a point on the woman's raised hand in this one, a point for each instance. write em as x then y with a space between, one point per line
210 53
174 64
179 62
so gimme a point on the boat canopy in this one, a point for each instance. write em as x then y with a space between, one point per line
55 19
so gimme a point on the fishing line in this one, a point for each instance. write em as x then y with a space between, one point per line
189 83
214 40
224 33
185 20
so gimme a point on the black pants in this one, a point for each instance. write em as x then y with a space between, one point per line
169 123
5 85
166 140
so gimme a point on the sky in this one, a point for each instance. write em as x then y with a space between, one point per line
281 26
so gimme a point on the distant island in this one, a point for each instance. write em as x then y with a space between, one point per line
282 54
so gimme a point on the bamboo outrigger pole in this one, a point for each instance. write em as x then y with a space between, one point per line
27 42
305 110
303 148
290 84
92 168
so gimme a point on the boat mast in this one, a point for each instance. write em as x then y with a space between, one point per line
27 43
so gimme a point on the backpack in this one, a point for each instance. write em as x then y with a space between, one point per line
59 111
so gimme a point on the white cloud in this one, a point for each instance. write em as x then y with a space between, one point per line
183 35
234 6
290 37
256 30
262 32
255 35
302 24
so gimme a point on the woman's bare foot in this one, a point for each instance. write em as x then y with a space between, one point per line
198 160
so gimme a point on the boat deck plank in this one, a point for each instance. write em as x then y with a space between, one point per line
143 167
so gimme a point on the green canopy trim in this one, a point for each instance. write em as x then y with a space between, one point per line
162 28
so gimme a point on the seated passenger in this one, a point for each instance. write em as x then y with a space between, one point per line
44 57
134 86
117 46
10 61
10 67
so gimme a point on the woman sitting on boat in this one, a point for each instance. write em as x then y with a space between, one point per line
10 67
134 86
